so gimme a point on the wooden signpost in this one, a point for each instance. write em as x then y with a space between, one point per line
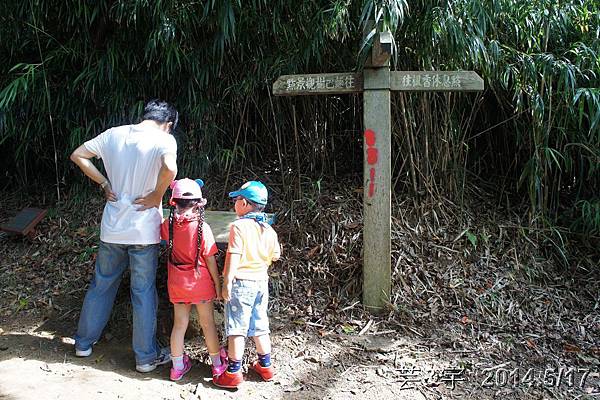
375 83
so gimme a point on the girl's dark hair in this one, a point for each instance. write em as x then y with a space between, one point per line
186 203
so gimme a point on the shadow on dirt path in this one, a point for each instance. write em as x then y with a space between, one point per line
36 365
40 363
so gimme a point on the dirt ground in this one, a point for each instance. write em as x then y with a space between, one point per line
496 320
37 361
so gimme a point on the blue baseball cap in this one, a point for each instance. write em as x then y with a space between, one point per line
254 191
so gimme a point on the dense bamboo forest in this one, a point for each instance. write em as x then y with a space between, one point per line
532 139
495 201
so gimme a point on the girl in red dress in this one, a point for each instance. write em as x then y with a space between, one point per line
193 277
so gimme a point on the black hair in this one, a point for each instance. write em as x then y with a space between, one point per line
186 203
161 112
257 207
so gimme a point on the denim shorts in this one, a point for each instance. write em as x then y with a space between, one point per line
246 312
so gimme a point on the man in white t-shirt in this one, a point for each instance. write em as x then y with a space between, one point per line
140 163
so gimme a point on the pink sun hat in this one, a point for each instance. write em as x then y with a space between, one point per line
187 189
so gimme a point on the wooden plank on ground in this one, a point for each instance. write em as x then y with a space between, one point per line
25 221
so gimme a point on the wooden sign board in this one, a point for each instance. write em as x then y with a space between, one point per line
25 221
403 81
435 81
219 222
296 85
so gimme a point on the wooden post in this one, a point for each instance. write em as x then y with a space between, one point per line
377 177
376 82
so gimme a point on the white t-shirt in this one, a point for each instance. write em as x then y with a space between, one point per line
132 159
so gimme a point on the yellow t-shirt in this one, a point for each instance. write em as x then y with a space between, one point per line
258 246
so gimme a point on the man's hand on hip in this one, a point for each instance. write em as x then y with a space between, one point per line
109 195
150 200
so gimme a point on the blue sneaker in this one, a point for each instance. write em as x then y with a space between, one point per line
163 357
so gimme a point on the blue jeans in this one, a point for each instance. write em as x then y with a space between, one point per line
111 262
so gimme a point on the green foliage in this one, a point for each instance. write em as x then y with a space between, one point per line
538 124
587 218
534 133
105 59
380 16
472 238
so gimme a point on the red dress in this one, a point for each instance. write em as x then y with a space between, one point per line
187 284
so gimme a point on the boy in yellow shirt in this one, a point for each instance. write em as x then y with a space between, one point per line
253 245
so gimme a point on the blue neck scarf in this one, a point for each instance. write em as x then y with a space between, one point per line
257 216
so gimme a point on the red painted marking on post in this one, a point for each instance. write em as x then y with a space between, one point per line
371 182
371 189
372 156
370 137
